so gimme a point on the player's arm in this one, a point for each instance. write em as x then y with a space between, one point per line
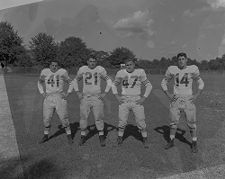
164 84
79 75
40 84
66 78
115 85
148 87
196 77
75 83
73 86
105 77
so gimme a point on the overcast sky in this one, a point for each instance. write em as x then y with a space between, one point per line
151 28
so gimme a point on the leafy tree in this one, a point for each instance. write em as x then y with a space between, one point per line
214 64
73 52
164 63
204 65
11 48
119 55
43 48
142 63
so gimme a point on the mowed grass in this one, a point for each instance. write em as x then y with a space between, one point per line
56 159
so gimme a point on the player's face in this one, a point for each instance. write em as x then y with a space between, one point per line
92 63
182 62
130 66
54 67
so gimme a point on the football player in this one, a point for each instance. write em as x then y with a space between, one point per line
51 85
131 80
182 99
92 97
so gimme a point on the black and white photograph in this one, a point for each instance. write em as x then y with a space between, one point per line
112 89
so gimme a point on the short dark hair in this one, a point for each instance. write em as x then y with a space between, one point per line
130 60
91 58
181 54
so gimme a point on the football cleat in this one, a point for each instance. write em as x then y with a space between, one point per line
102 140
145 142
169 144
194 148
82 140
69 138
119 140
44 139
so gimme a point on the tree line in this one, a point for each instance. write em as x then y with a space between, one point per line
73 52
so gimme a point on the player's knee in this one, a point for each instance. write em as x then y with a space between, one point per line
173 125
192 126
66 124
47 126
121 128
141 124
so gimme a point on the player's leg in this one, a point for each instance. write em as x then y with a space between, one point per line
190 112
84 112
62 111
140 120
124 110
48 109
98 111
175 117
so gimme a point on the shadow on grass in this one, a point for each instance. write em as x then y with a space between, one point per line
92 130
165 131
15 168
132 130
74 128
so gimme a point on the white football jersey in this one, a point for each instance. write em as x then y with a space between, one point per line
91 79
131 82
54 82
183 78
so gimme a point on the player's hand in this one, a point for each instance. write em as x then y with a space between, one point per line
102 96
80 95
44 95
193 98
172 97
65 95
119 98
141 101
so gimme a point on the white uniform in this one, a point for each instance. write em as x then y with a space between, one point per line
183 79
131 91
91 94
52 84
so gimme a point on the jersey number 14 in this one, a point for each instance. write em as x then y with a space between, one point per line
184 79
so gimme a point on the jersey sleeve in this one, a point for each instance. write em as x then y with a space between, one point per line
65 77
196 76
118 78
116 82
80 73
144 80
196 73
41 81
104 76
168 76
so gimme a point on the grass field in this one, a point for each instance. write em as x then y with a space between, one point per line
56 159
